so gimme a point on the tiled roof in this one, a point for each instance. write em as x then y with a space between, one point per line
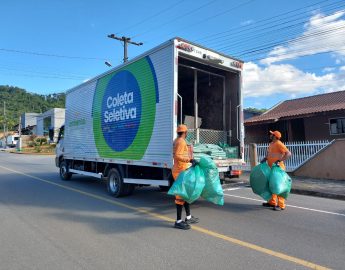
302 107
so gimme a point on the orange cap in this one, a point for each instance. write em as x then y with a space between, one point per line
182 128
276 133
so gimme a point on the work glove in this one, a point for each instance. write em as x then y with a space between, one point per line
194 162
263 160
277 162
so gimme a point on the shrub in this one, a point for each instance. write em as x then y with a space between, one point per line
41 140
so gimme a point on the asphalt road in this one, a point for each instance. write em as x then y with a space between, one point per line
47 223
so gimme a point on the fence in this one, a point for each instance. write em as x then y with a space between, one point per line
208 136
301 152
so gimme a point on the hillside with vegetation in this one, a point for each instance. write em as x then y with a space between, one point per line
18 101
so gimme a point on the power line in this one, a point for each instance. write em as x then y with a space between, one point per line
152 16
45 77
51 55
306 52
259 32
176 18
318 67
291 81
212 36
77 76
308 37
302 48
216 15
265 35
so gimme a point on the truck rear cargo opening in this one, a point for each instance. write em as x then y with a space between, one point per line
120 126
210 102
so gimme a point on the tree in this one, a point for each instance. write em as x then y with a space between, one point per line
255 110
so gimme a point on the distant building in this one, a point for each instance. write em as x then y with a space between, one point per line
29 119
49 122
29 123
319 117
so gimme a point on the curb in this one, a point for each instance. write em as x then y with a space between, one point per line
35 154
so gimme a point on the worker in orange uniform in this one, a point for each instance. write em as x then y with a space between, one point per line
277 152
182 161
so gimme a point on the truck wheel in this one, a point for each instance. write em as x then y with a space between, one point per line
115 185
64 174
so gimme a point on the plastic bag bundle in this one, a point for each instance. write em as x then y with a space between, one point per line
200 180
213 191
279 181
189 184
214 151
259 180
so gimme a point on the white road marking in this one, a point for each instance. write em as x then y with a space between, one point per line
294 206
236 188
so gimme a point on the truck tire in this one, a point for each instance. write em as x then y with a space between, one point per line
115 185
64 174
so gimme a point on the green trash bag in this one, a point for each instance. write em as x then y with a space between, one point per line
189 184
279 182
259 180
213 191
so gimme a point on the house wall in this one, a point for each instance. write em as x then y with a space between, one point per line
298 129
325 165
260 133
318 128
256 134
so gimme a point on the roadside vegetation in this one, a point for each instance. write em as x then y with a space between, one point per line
38 144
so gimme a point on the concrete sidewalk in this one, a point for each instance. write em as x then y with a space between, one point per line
334 189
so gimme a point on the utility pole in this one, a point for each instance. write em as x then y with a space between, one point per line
125 41
5 125
19 142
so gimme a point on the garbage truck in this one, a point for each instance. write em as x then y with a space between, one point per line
120 126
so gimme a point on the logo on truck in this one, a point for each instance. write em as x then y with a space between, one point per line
124 110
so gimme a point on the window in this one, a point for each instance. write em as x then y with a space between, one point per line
337 126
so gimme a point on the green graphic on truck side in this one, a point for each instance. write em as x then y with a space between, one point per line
124 111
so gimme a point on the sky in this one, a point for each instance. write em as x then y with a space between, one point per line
291 49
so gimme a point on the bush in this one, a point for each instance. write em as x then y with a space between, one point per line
41 140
